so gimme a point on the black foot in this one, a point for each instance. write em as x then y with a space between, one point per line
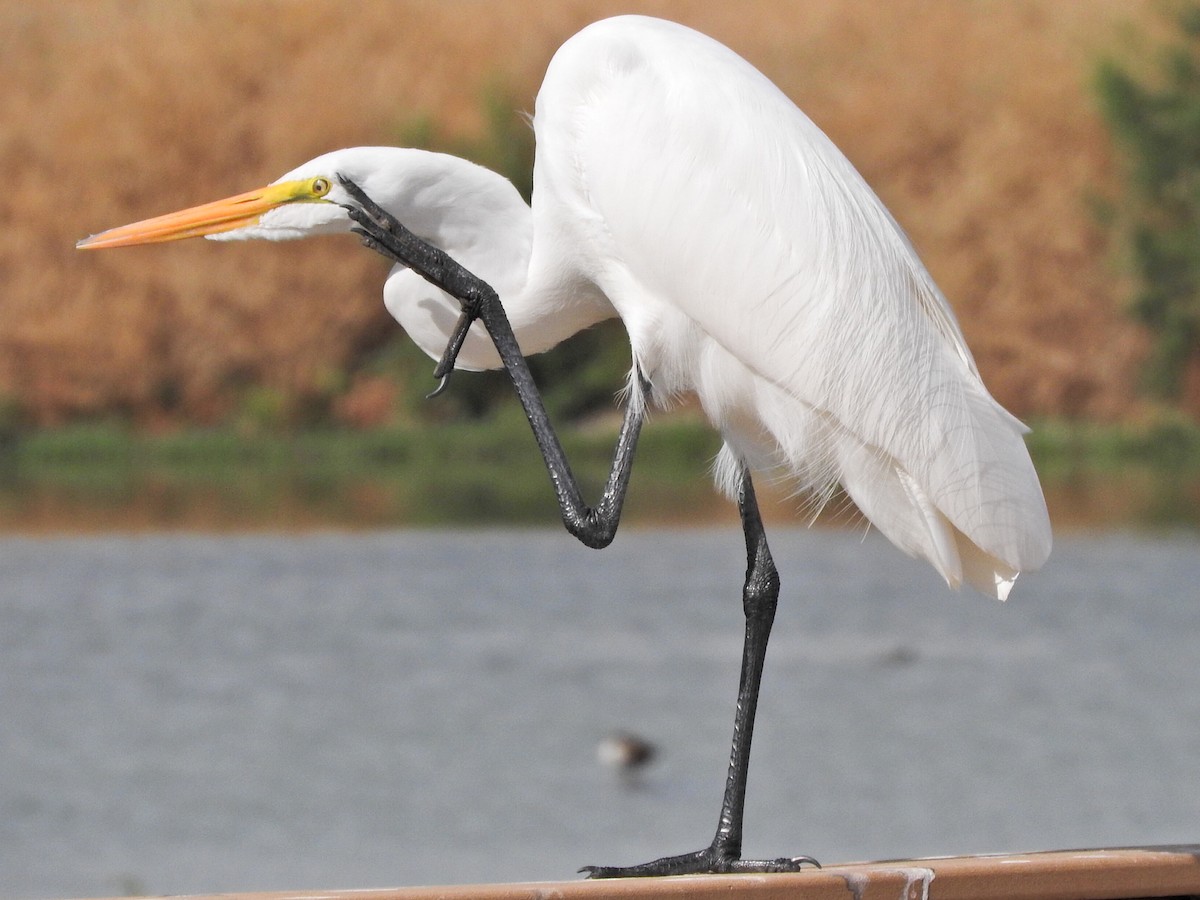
380 231
702 862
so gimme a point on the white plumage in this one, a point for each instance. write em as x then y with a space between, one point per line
676 187
753 266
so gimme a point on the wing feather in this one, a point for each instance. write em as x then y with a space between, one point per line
727 208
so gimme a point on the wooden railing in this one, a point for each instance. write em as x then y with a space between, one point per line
1059 875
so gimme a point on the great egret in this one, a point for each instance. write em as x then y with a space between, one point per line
677 188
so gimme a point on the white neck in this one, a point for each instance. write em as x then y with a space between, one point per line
481 221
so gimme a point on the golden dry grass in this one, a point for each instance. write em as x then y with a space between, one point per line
973 120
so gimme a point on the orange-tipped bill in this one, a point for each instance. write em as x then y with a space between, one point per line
210 218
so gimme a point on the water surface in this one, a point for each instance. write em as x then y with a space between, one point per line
189 713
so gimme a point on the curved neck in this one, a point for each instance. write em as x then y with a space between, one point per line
480 220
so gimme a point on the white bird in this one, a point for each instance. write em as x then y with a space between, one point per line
677 188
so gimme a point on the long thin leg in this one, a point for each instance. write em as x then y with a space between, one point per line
594 526
760 596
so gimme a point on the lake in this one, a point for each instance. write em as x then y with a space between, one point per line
198 713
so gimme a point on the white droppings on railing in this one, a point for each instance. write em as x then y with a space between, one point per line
916 881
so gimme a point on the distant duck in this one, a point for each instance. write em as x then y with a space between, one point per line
625 753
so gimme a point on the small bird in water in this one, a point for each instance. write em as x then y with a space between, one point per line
626 754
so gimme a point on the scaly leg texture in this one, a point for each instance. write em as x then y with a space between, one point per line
596 526
760 595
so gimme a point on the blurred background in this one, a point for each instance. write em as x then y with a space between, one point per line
1043 156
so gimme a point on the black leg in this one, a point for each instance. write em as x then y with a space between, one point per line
760 595
596 526
593 526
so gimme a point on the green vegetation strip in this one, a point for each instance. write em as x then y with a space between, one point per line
671 447
473 473
1170 446
438 474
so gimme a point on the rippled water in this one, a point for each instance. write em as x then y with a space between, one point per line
188 713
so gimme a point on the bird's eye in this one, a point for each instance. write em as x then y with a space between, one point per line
319 187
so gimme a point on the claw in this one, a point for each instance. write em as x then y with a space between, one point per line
368 241
442 383
370 219
376 225
366 205
704 862
445 366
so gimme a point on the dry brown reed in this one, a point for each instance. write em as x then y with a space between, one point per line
974 121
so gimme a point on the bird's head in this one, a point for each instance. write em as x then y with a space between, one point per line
307 201
471 213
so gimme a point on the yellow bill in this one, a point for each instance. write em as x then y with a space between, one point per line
238 211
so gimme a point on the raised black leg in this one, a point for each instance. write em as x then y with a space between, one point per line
760 595
594 526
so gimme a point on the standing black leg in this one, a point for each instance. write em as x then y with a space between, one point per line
595 526
760 595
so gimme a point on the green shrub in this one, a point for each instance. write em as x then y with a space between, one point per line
1155 118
